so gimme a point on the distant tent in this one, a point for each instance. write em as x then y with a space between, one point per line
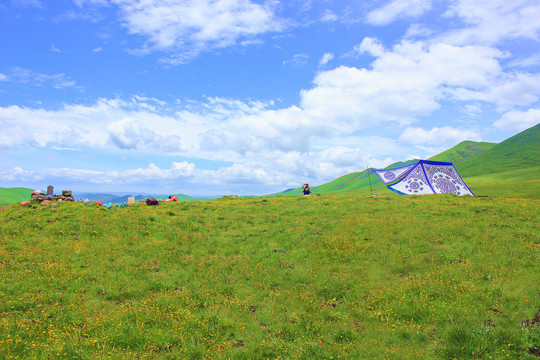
424 177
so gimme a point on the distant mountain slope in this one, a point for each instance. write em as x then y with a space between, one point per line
519 151
463 151
12 195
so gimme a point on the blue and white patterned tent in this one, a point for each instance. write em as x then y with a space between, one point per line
425 177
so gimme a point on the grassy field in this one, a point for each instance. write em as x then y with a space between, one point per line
515 153
11 195
463 151
320 277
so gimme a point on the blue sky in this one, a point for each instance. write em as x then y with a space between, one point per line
246 97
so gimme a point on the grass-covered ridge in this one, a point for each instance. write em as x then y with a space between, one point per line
404 277
463 151
518 152
11 195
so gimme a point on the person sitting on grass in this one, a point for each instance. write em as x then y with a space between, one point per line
306 189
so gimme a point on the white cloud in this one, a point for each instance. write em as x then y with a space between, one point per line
472 110
178 170
532 60
444 136
327 57
418 31
490 21
398 9
329 16
70 125
98 49
54 49
134 134
18 174
515 89
186 28
370 45
297 60
25 76
406 82
130 134
518 120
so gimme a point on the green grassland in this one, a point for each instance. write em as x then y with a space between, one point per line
342 276
12 195
463 151
518 152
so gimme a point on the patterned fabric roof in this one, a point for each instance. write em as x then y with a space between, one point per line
425 177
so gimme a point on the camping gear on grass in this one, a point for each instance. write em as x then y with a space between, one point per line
424 177
152 201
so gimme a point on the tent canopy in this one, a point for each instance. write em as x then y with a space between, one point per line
424 177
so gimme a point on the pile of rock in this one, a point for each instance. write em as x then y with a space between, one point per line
45 199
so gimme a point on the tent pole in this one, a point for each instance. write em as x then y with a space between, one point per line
369 178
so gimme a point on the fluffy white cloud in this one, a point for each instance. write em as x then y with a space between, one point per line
444 136
518 120
327 57
489 21
18 174
289 129
406 82
515 89
72 124
398 9
177 171
186 28
130 134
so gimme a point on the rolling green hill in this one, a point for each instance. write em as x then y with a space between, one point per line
12 195
518 152
463 151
